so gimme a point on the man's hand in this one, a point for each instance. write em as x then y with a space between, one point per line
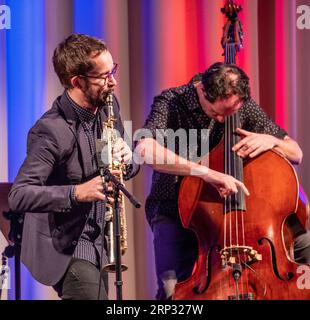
122 152
253 144
225 184
90 191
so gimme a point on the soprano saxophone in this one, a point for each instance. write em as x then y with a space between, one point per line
109 137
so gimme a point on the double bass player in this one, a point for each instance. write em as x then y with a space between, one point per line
203 103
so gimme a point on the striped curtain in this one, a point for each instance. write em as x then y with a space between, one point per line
158 44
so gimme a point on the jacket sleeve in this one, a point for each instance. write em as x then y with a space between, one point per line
30 191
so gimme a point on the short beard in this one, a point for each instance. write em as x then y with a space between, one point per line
99 100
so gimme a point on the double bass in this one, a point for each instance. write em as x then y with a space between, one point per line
245 242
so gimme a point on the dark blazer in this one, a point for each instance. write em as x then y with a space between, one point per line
57 156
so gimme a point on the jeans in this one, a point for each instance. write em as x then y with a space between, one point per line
81 282
302 248
176 251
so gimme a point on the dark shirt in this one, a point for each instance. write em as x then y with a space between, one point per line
177 108
89 244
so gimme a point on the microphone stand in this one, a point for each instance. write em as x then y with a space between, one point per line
14 250
118 186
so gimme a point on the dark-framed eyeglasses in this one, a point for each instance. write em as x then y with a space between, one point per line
107 76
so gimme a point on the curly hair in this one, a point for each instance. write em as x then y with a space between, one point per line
73 56
218 82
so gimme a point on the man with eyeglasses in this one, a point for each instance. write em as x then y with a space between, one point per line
58 185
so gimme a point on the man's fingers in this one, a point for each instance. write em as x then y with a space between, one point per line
121 151
247 149
100 196
123 157
111 200
241 143
117 149
243 187
116 172
233 188
119 146
257 152
243 132
127 158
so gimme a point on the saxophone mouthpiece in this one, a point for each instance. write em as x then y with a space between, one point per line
110 97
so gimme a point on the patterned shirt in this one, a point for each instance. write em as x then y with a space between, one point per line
89 244
179 108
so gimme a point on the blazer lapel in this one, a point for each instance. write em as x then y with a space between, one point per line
77 129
